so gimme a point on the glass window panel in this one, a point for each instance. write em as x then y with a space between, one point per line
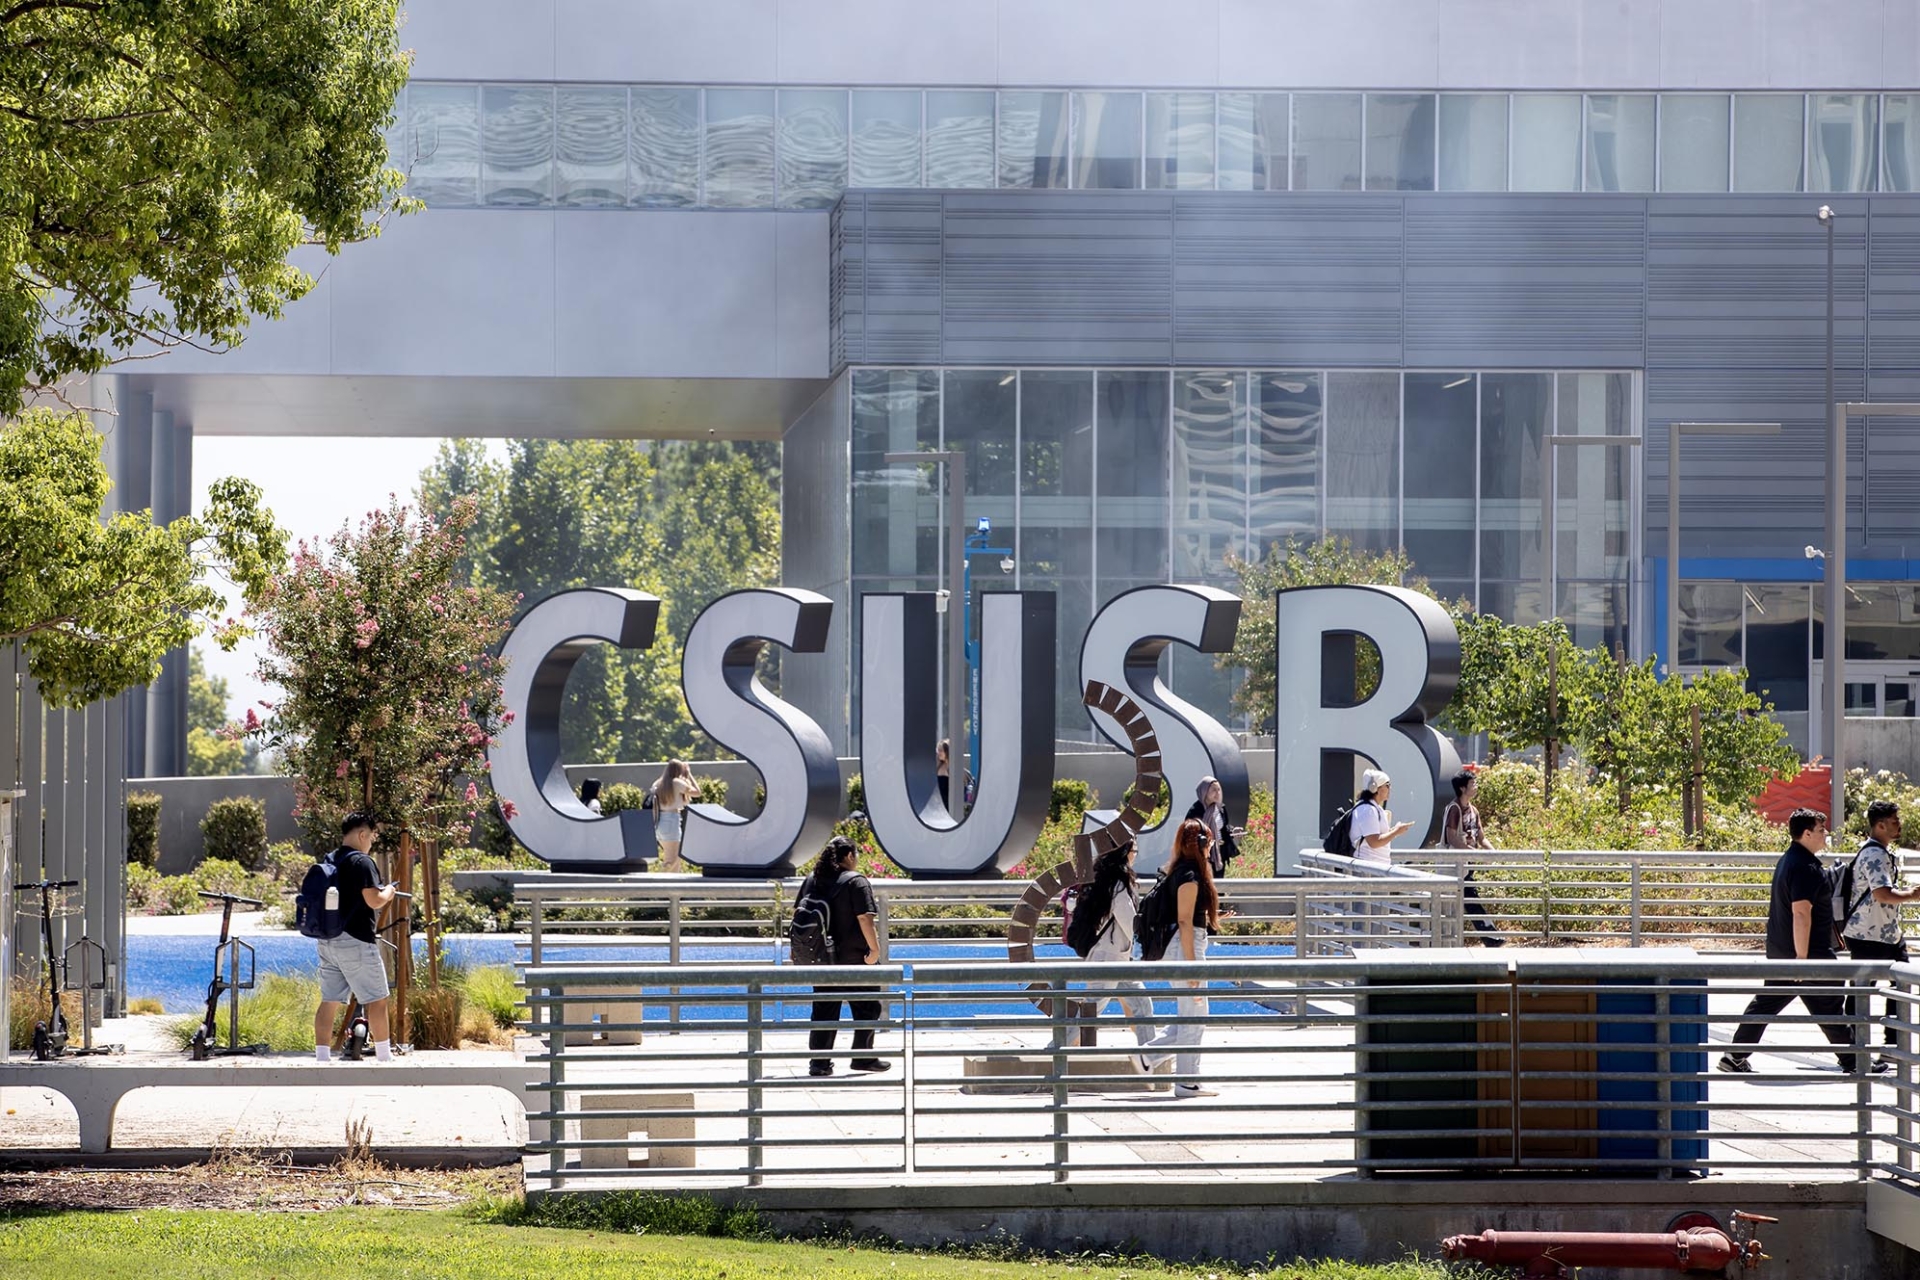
1546 142
1033 139
979 421
1593 507
1106 131
1473 142
1514 412
1130 411
663 150
896 509
1439 452
1620 145
1595 614
1768 137
813 147
1514 602
1283 482
591 133
1056 519
1400 141
1883 622
1363 459
1693 142
886 138
959 138
1326 142
445 121
1903 141
739 157
1209 473
1180 141
1253 141
1843 134
1710 614
1777 617
517 135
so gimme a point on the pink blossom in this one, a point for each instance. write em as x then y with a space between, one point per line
340 770
508 810
253 721
473 794
364 633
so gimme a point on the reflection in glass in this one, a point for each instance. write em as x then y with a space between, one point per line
1180 141
1546 142
1903 141
896 509
813 147
1209 473
1693 142
1033 139
886 138
1880 622
1515 602
1768 138
1106 131
1473 142
1056 518
1363 459
739 154
1843 131
1131 437
1440 463
663 155
1594 499
959 138
1710 625
1253 142
1515 409
399 152
1283 485
979 418
1400 141
1326 142
1620 145
1595 614
517 138
591 141
1776 649
445 121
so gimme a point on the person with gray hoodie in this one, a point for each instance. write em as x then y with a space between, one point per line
1210 811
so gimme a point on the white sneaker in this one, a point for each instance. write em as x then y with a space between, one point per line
1194 1091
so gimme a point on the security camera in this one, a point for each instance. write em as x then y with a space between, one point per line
1825 215
1006 564
1815 553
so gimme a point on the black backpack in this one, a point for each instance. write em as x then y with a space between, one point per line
1155 925
810 934
1339 841
310 914
1084 924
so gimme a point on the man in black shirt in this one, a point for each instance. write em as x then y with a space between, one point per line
350 964
1799 927
851 915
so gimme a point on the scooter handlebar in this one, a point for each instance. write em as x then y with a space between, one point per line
47 884
232 897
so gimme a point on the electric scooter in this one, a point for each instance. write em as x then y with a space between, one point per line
229 949
49 1037
359 1036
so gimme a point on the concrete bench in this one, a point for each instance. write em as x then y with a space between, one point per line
95 1086
616 1005
652 1129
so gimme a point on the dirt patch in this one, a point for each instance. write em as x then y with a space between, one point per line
250 1180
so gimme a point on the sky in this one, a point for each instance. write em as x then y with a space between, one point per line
313 486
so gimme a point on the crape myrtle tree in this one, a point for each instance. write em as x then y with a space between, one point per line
389 691
94 602
160 159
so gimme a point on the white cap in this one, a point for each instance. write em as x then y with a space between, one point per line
1373 780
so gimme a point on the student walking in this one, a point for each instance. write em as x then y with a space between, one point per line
850 930
673 791
1799 927
350 963
1460 829
1196 912
1116 895
1371 825
1210 810
1872 927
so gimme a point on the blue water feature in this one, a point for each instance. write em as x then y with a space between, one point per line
175 969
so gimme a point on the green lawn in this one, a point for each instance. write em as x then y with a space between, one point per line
451 1245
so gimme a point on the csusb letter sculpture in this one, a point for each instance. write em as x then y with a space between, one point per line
1321 729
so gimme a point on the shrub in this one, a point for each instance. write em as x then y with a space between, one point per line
144 1007
28 1004
287 863
278 1013
1070 800
856 795
759 796
491 990
143 829
712 790
622 797
463 912
171 896
218 875
236 830
435 1014
630 1213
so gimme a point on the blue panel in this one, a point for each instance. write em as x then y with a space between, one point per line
1609 1063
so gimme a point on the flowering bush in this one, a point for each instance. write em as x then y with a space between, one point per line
389 692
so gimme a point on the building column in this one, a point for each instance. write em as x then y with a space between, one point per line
172 497
130 463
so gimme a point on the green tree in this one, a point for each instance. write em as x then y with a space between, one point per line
95 602
1741 746
160 159
214 747
1503 681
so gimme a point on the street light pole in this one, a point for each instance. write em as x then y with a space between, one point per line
955 462
1835 658
1678 429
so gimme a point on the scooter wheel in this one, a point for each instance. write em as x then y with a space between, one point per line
201 1048
43 1050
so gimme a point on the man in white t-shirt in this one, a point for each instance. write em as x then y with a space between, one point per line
1372 826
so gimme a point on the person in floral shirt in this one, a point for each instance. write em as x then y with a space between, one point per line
1872 931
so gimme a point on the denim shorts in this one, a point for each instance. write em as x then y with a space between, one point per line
350 967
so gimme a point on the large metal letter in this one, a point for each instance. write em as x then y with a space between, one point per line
1122 649
792 753
899 670
1320 729
527 770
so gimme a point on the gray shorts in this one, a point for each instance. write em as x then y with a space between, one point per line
350 967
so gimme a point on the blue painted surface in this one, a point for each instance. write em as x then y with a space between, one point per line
1611 1063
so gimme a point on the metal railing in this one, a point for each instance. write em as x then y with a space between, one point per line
1713 901
1390 1062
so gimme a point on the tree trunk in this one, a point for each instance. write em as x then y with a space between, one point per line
403 942
1551 755
430 905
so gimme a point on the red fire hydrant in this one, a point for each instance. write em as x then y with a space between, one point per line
1693 1243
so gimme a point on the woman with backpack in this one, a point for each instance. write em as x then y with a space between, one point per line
1114 900
1196 914
673 791
1210 809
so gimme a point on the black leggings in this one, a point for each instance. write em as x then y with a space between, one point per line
826 1017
